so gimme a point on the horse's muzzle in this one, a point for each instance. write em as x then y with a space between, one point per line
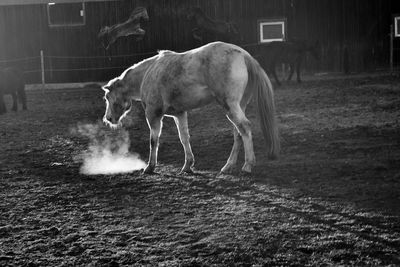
110 121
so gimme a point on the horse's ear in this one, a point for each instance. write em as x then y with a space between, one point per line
106 88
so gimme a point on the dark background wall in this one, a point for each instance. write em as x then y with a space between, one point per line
360 26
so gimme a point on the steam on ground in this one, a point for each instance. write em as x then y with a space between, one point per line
108 151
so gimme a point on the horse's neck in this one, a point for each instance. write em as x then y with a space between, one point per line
130 28
135 75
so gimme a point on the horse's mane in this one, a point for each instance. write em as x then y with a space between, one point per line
163 52
123 74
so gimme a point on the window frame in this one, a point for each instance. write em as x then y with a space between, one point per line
396 20
66 25
271 21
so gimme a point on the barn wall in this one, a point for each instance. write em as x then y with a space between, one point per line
360 26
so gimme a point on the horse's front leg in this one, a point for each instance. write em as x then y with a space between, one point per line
298 66
155 125
183 130
291 72
15 101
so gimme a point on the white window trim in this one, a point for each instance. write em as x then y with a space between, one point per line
83 14
396 30
262 23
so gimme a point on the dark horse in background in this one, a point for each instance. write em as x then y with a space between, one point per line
109 34
12 82
223 31
289 52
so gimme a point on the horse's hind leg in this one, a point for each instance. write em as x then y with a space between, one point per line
3 108
273 71
183 130
238 118
155 125
237 143
22 97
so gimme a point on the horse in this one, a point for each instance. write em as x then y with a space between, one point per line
290 52
12 82
109 34
170 84
227 31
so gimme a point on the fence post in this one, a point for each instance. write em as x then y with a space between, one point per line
42 69
391 48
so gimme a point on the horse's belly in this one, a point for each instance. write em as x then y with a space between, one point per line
188 98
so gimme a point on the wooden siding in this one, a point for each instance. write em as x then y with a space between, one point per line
35 2
361 26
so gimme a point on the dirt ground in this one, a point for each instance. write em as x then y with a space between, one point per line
333 197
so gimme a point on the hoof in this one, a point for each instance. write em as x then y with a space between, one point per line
228 172
227 169
246 168
148 170
186 171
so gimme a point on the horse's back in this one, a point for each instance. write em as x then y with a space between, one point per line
11 80
183 81
208 64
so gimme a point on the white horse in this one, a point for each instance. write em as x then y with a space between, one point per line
170 84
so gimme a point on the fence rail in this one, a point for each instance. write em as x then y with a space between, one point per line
48 65
43 64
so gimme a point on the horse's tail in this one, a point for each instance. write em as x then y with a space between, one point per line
261 86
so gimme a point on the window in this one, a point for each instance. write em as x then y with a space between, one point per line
66 14
272 30
397 26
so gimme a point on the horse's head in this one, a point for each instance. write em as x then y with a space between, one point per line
145 15
118 102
